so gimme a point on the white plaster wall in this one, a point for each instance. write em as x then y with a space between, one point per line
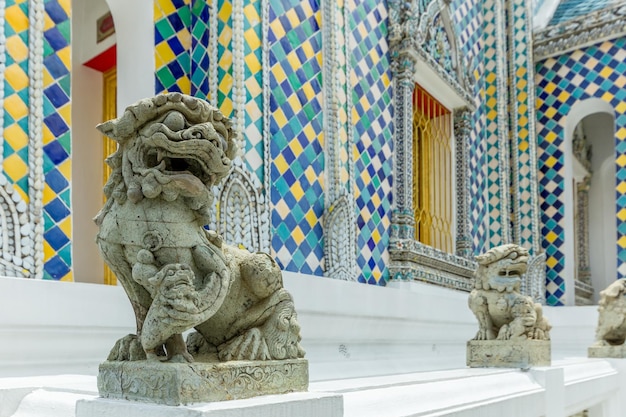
85 14
599 130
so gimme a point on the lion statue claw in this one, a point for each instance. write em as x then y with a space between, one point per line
172 149
502 312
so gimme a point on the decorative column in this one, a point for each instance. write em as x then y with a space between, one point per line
402 218
462 130
339 218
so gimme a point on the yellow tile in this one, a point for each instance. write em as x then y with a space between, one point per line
227 107
226 84
310 174
67 6
66 226
278 29
16 77
165 51
66 113
621 107
550 137
551 262
69 277
523 134
522 96
550 88
166 6
225 12
65 168
16 18
622 214
293 60
622 242
621 133
621 161
293 18
48 23
294 102
563 97
15 107
551 237
252 39
297 191
311 217
279 74
279 118
226 61
550 112
281 164
490 78
523 145
48 194
48 252
309 132
48 136
253 63
295 147
65 55
606 72
16 48
251 13
521 71
607 96
184 84
492 102
16 137
158 61
184 37
376 235
15 168
297 235
47 78
551 161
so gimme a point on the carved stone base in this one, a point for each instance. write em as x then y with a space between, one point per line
618 351
186 383
507 353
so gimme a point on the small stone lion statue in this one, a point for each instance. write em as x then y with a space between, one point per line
502 312
611 329
172 149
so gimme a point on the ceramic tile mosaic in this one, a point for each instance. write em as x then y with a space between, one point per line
468 19
224 57
172 40
200 53
372 118
571 9
16 100
253 82
57 140
597 71
296 134
492 125
345 142
522 123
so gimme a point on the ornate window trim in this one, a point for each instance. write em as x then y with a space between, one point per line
411 63
578 33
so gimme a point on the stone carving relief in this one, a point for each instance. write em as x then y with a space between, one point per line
505 316
611 330
534 281
339 233
178 276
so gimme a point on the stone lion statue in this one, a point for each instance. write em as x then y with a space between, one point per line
172 149
611 329
502 312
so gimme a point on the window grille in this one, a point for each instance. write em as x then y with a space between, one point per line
432 170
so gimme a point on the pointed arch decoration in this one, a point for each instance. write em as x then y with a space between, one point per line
534 282
241 219
339 232
16 248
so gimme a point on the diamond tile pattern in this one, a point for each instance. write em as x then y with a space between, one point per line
521 117
296 130
224 57
370 81
199 53
492 129
253 84
172 39
468 19
597 71
571 9
57 140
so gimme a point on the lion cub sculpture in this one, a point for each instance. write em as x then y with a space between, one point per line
611 330
503 313
172 149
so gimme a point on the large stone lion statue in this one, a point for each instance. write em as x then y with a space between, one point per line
611 329
172 149
502 312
